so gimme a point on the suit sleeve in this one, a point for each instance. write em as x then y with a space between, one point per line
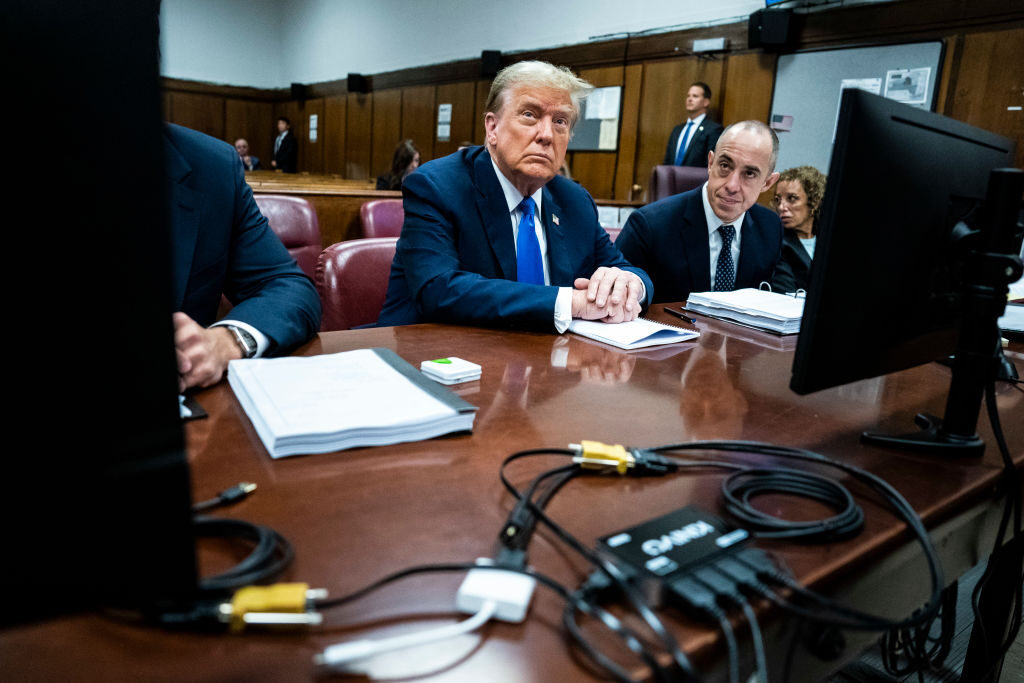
670 147
267 288
783 280
440 288
634 242
610 255
713 138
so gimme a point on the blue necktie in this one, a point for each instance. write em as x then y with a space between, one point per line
682 146
529 267
725 271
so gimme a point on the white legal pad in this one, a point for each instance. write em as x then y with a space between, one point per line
636 334
760 309
368 397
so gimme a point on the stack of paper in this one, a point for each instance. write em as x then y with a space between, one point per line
368 397
635 334
763 310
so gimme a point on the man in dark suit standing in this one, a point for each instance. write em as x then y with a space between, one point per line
690 141
714 237
286 148
494 236
221 243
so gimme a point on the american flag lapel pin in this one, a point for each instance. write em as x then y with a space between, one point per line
554 219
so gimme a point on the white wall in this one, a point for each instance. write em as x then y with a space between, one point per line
326 39
234 42
268 43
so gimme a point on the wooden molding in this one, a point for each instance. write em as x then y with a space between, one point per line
236 91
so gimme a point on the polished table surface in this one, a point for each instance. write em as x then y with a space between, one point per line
357 515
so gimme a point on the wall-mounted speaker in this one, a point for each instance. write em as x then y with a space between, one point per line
358 83
298 92
490 63
770 29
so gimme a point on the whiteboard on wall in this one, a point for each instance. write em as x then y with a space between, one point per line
808 87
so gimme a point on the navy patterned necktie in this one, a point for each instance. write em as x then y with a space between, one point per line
725 271
529 267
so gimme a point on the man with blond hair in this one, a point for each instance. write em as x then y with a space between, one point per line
494 236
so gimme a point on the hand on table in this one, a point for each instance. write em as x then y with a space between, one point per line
610 295
203 353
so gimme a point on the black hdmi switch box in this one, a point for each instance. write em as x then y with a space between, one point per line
666 547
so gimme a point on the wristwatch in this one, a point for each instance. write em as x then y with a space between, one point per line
245 341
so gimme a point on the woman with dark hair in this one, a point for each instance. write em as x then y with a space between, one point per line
797 200
405 161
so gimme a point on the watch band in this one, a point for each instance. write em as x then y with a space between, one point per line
245 341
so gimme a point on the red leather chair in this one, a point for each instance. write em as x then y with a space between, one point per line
613 233
382 217
669 180
352 279
294 221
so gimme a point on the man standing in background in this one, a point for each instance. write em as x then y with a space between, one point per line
690 141
286 148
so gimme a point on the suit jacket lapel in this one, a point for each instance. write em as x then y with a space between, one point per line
185 230
494 215
695 243
559 271
692 148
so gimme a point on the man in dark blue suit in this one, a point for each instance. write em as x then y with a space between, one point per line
221 243
494 236
679 240
691 140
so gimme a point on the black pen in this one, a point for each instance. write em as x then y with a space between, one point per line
679 314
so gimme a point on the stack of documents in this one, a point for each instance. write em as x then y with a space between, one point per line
368 397
762 310
635 334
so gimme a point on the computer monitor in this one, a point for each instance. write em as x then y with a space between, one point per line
908 198
95 495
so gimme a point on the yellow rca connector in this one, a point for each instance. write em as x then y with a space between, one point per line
282 604
594 455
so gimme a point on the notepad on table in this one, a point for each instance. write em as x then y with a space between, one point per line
636 334
367 397
761 309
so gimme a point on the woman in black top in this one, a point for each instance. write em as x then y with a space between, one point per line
405 161
797 200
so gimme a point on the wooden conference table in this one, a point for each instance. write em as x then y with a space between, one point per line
357 515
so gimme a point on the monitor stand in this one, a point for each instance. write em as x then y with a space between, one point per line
989 267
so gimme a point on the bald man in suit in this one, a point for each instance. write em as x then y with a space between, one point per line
715 237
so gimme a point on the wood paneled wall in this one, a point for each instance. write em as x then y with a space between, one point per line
357 133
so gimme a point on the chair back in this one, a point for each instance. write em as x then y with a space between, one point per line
669 180
352 280
382 217
613 233
294 221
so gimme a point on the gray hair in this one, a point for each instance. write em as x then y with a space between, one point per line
539 75
759 128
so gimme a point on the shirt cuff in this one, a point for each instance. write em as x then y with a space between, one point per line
262 342
563 309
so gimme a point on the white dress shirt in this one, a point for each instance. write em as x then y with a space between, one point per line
693 131
513 197
715 237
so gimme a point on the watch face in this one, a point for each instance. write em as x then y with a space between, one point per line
245 340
